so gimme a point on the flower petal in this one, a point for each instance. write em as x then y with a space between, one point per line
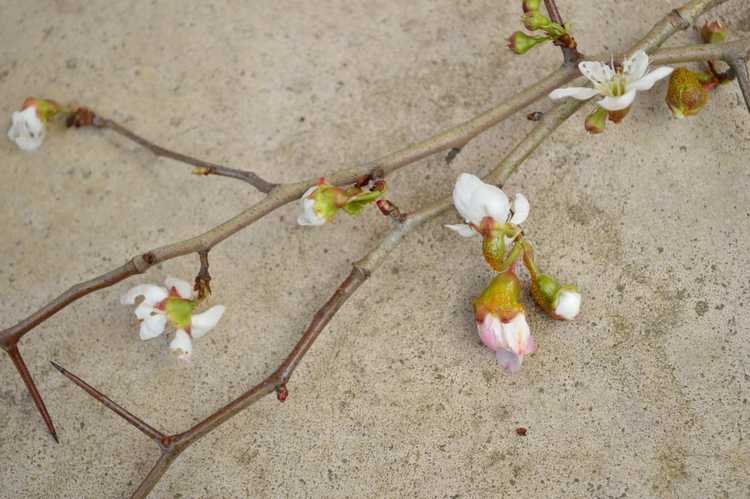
463 197
579 93
635 66
153 326
509 361
206 321
182 345
309 216
144 310
27 130
489 331
492 202
463 230
184 289
597 72
568 304
520 208
151 293
618 103
650 79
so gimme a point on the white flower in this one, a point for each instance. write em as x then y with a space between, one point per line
474 200
617 87
174 304
309 215
568 304
509 340
27 129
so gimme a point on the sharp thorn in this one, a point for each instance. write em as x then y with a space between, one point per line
17 359
113 406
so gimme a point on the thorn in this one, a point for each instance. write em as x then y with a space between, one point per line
15 356
144 427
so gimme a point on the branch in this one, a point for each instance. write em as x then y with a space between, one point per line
739 66
566 43
360 273
202 167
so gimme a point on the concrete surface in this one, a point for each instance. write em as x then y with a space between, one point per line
646 395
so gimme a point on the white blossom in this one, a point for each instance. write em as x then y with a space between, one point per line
475 200
309 215
617 87
27 129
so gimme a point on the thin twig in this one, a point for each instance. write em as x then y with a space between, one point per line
206 168
739 66
566 42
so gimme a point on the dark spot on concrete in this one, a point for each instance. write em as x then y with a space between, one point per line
701 308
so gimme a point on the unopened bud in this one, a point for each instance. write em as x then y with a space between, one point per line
531 5
520 43
535 20
713 32
686 94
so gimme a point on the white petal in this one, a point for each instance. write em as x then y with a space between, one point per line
509 361
205 322
597 72
618 103
151 293
490 332
144 310
463 230
635 66
492 202
650 79
184 289
579 93
153 326
182 345
27 130
520 209
568 304
309 216
463 196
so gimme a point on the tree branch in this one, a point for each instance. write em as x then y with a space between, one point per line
359 274
203 167
739 66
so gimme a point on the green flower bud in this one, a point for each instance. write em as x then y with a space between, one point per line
535 20
531 5
686 95
520 43
560 302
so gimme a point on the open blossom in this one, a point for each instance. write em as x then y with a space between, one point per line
27 129
173 304
474 200
618 87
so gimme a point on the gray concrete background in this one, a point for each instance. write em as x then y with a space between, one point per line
646 395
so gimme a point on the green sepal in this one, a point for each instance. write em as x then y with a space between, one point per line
179 311
358 203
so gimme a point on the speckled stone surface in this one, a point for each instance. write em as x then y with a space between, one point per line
646 395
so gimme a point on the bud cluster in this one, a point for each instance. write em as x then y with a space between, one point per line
533 20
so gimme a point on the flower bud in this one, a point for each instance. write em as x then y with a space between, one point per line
713 32
686 94
531 5
597 120
560 302
535 20
520 43
501 321
320 204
